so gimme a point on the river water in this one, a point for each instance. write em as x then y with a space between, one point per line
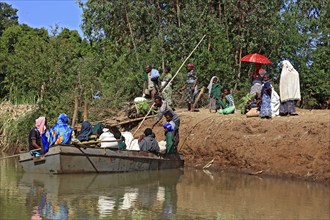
169 194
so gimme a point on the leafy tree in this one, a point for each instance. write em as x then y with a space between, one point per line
8 16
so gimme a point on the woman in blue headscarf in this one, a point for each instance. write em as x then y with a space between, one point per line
60 133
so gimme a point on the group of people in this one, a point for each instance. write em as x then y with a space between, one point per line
41 139
220 100
265 102
147 141
152 87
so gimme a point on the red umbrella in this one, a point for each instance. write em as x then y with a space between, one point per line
256 58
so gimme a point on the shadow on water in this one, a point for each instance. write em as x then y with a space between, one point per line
167 194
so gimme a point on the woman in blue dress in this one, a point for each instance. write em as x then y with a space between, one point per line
266 93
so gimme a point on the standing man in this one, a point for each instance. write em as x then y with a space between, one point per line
191 83
150 81
167 93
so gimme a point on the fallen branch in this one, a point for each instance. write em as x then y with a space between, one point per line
199 96
208 164
256 173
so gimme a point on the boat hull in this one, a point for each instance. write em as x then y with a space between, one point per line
71 159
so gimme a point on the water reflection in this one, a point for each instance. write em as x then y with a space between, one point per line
234 196
169 194
100 196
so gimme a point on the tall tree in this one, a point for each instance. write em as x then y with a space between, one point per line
8 16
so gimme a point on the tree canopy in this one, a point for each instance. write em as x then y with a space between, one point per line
120 37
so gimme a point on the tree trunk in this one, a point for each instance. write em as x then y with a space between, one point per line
132 36
75 111
178 12
239 69
85 110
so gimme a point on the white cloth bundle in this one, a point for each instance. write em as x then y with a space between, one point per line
275 103
162 147
108 136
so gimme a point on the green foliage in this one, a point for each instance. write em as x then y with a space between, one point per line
244 101
123 36
8 16
143 107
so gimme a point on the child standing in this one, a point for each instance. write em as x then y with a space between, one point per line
214 93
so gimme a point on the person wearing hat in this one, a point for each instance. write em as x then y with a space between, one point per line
191 83
169 138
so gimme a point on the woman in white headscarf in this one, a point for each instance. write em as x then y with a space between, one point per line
214 93
289 89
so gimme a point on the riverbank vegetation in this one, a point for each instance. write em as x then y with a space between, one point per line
49 69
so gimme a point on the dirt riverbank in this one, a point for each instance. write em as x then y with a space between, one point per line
294 146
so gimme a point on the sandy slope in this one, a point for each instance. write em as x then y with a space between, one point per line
294 146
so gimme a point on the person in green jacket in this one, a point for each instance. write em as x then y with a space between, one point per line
214 94
227 103
121 141
169 138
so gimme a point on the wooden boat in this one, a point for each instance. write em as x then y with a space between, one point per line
62 159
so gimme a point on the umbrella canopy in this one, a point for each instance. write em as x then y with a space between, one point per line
256 58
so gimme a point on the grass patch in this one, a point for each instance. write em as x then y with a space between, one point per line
15 124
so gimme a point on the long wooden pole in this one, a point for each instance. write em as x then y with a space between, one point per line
16 155
143 119
168 84
184 62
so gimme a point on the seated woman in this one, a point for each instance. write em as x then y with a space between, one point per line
60 133
35 136
120 140
228 107
85 132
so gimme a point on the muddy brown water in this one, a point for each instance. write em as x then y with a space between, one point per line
169 194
